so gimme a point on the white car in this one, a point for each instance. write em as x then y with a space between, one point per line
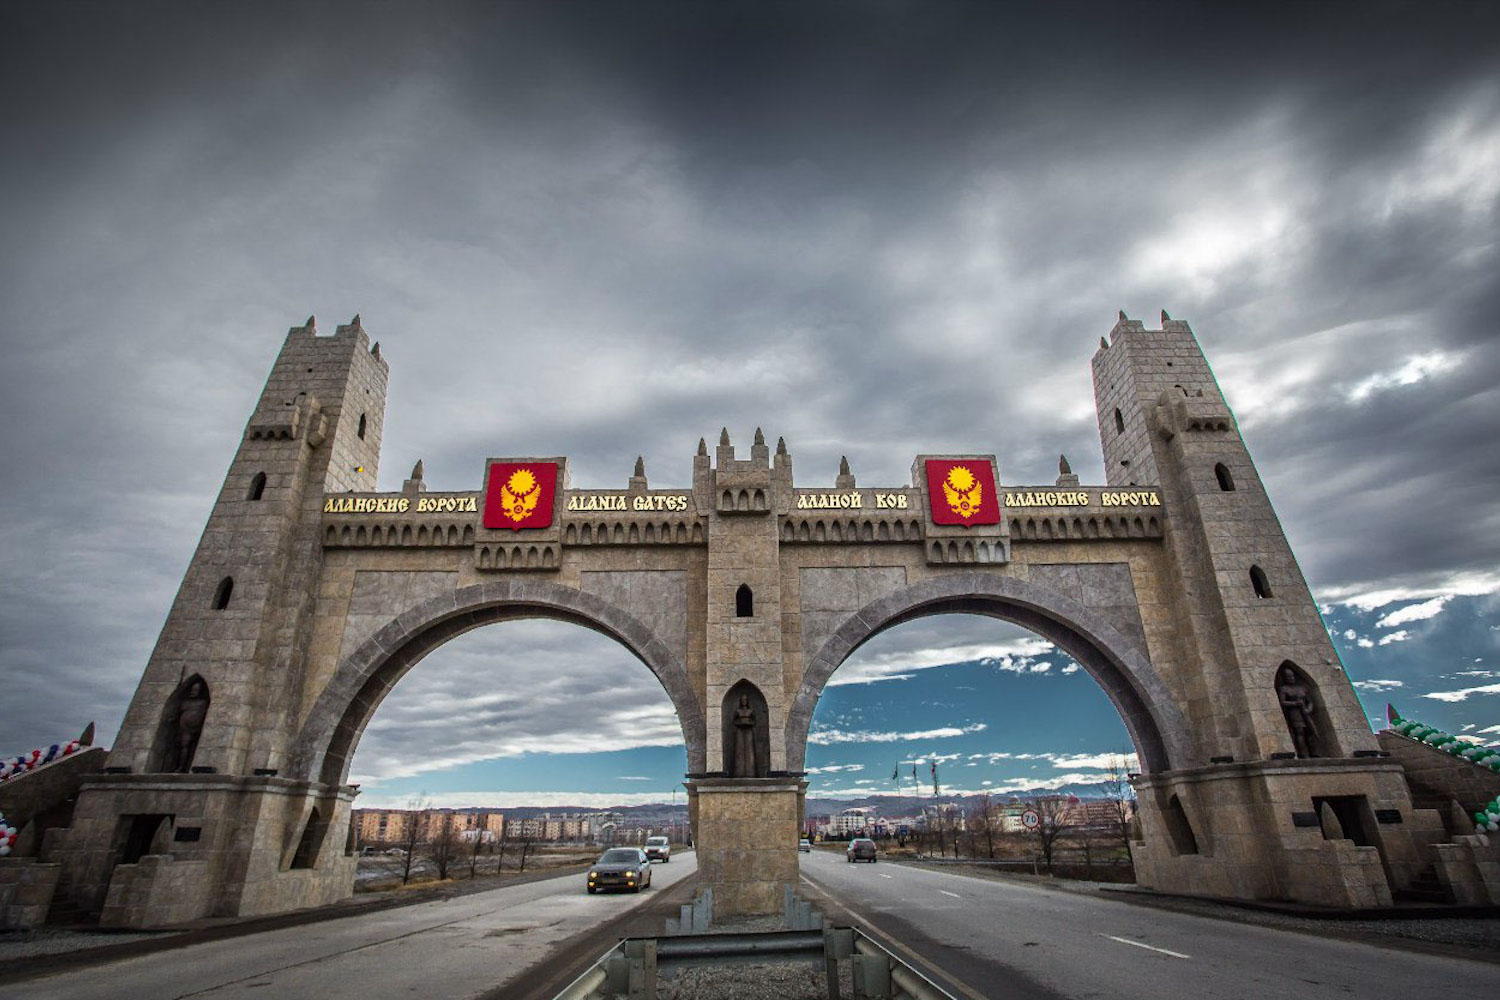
658 849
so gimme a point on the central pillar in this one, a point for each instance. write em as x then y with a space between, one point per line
745 833
746 808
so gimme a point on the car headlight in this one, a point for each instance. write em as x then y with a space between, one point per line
593 875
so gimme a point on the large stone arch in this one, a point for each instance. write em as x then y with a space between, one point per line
1151 714
325 744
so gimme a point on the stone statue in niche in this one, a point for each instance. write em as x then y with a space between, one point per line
187 726
1297 705
743 765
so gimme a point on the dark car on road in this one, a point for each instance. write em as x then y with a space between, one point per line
620 868
861 849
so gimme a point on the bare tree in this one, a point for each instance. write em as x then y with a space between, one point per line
1121 796
983 816
1055 821
474 852
411 835
443 848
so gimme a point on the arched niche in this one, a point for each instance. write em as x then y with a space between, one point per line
746 726
181 727
1302 710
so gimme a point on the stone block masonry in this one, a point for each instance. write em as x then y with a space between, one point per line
311 594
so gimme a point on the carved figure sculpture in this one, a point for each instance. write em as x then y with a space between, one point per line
1297 705
192 709
744 740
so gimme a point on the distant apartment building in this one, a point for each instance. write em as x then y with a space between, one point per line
566 827
394 826
858 819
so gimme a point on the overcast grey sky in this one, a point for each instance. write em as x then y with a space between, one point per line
607 230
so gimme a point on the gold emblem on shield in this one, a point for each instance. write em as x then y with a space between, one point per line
963 492
520 494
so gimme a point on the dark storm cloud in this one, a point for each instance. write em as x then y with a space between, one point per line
604 230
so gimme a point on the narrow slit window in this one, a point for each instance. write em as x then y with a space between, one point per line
1226 480
257 487
361 431
744 602
1259 582
223 592
1119 422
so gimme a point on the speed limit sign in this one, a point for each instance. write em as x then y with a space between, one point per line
1030 819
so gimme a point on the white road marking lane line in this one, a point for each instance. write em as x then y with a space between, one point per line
1162 951
945 892
884 875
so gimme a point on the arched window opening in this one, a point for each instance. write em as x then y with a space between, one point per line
222 593
257 487
1119 422
744 602
361 431
1259 582
746 732
1179 829
1226 480
307 847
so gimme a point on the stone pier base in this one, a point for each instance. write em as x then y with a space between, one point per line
1339 832
160 850
745 831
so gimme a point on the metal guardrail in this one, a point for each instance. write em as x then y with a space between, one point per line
631 968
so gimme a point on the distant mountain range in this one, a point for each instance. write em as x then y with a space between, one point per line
885 805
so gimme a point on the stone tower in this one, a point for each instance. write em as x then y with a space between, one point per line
248 590
1244 614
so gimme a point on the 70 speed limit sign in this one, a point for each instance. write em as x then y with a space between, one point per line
1031 819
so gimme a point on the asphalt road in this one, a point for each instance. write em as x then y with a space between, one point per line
1003 940
460 947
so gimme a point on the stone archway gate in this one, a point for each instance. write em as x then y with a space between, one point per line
311 594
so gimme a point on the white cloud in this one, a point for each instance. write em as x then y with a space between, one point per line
1101 761
835 768
1463 694
1414 612
486 799
1015 656
1009 786
1377 685
1466 583
1414 369
1400 635
826 737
